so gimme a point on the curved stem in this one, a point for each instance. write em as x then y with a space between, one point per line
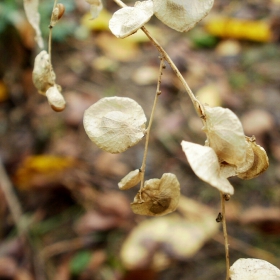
223 211
158 92
165 56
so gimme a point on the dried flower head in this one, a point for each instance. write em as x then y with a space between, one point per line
182 15
115 124
128 20
158 196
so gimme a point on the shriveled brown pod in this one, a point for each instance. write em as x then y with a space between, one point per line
57 13
158 196
260 163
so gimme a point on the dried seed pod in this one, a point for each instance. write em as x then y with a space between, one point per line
57 13
260 163
225 135
130 180
158 196
56 99
115 124
253 269
95 7
182 15
205 164
128 20
249 160
43 75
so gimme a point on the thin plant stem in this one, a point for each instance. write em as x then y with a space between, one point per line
50 34
165 56
223 211
158 92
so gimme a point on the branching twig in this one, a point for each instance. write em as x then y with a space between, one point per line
165 56
158 92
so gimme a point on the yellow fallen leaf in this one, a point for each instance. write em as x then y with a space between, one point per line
98 24
41 169
3 92
117 49
255 30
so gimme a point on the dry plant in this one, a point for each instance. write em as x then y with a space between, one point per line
115 124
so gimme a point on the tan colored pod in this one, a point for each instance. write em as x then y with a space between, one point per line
115 124
56 99
158 196
130 180
260 163
57 13
43 75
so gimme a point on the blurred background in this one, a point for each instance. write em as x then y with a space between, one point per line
70 221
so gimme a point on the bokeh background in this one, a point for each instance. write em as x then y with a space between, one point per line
69 220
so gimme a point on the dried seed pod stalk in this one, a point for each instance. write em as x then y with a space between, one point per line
158 196
115 124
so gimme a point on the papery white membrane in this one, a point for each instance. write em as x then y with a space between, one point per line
205 164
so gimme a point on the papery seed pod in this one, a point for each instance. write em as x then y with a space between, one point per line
253 269
57 13
130 180
182 15
115 124
43 75
158 196
225 135
260 163
95 7
128 20
249 160
56 99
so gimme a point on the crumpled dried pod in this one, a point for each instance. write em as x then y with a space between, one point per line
158 196
249 159
57 13
130 180
115 124
43 75
95 7
55 98
182 15
205 164
128 20
260 163
253 269
225 135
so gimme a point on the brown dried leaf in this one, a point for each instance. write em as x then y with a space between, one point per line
158 196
